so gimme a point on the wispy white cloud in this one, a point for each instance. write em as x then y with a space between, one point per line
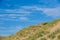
31 7
14 17
24 18
3 15
14 11
24 11
53 12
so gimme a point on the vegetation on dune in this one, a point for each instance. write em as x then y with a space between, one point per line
43 39
37 32
58 37
2 38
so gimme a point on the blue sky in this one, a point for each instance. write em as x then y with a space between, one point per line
18 14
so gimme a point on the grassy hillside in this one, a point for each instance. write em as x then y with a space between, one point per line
44 31
2 38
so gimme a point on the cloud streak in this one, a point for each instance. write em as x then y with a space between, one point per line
13 11
24 18
24 11
53 12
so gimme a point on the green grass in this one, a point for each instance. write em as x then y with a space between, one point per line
52 36
43 39
58 37
38 34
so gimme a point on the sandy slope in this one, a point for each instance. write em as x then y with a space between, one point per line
55 27
33 31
